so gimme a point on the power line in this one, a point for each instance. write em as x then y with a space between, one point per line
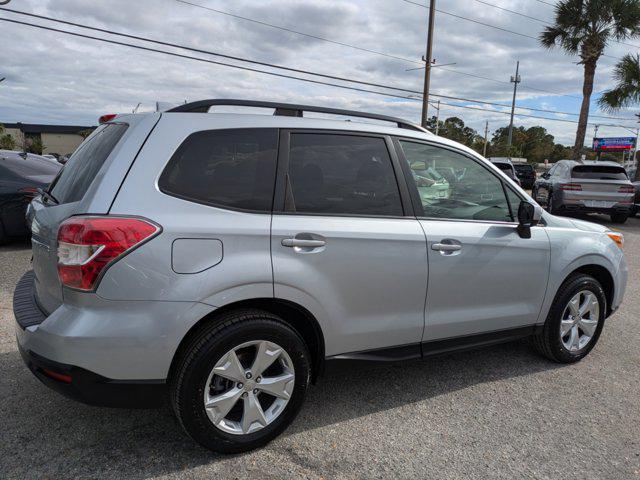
289 30
459 72
544 22
271 65
496 27
259 22
281 75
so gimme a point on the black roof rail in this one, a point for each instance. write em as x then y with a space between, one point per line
290 110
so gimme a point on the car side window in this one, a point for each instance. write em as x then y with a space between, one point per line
233 168
341 175
472 192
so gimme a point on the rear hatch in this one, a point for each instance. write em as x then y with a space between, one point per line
601 183
62 199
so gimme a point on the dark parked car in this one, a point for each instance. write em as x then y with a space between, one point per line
506 166
21 174
526 174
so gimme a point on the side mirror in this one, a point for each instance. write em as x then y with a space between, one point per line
528 216
545 175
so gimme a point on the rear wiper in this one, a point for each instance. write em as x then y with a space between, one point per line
47 196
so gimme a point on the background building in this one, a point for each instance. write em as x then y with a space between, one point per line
60 139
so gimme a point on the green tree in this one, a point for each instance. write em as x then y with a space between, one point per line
7 142
454 128
34 145
85 133
627 90
584 28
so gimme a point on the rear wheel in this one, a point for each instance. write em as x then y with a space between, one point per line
574 322
619 217
241 381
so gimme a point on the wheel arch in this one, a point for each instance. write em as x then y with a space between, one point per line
603 276
293 314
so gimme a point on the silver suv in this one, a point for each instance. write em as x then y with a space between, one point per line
220 260
586 187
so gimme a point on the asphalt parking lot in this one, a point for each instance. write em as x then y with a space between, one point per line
501 412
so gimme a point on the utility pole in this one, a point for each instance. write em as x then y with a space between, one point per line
595 135
438 117
486 132
515 80
427 59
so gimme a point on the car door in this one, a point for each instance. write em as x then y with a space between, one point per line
483 276
345 244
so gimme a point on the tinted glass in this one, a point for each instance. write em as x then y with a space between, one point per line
19 166
506 168
471 192
524 168
227 168
83 166
514 202
599 172
342 174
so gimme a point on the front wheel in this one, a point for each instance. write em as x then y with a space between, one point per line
575 320
241 381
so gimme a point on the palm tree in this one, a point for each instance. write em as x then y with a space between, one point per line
584 28
627 90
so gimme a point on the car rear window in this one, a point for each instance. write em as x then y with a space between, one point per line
599 172
523 168
83 166
233 168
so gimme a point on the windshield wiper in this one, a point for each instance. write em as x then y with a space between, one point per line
47 196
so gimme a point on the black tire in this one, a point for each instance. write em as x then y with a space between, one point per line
550 208
548 341
3 238
189 376
619 217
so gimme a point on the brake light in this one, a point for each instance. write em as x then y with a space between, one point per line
627 189
29 193
87 246
572 187
107 117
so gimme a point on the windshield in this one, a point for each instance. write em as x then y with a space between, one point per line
599 172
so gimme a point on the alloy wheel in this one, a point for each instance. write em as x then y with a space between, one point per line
579 320
249 387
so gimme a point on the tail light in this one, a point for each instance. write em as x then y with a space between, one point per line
627 189
87 246
571 187
29 193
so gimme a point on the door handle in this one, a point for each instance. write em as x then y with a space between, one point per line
446 247
302 242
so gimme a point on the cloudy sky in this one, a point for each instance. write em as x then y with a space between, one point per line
57 78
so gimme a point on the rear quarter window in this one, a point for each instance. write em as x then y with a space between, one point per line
83 166
233 168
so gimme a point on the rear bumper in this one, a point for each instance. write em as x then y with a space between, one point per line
581 208
116 353
93 389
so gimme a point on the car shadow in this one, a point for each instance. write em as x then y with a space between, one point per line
80 440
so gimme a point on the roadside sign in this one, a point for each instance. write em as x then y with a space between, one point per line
614 144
